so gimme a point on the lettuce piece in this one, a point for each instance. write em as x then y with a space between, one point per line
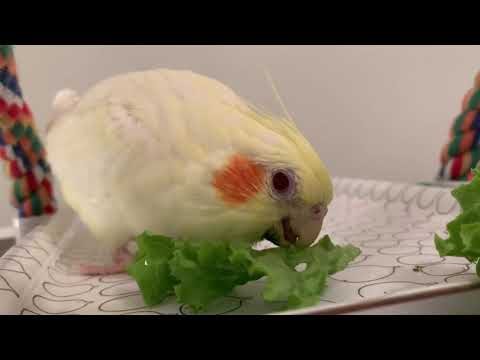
205 273
201 272
455 244
468 195
470 234
464 230
151 268
304 288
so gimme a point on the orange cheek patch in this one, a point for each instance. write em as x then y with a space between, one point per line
240 180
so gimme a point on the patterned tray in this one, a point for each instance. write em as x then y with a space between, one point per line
393 224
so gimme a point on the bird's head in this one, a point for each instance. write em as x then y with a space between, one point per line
278 175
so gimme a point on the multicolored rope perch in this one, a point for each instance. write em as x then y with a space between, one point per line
462 153
20 147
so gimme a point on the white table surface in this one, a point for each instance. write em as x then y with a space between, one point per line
459 304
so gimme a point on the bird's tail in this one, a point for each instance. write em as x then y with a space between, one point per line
65 101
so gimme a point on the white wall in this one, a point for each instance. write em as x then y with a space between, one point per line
371 111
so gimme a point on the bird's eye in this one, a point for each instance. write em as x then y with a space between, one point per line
283 183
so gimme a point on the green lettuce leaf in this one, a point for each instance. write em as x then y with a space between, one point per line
205 273
468 195
464 231
304 288
201 272
151 268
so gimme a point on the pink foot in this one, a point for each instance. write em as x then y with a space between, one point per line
121 258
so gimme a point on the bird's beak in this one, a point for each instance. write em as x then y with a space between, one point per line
301 228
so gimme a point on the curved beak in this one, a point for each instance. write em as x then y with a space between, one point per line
300 228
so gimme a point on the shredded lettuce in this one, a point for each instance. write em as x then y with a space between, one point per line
464 230
200 272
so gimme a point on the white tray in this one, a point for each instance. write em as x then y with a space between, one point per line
393 224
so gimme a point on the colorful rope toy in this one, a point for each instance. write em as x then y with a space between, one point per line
20 147
462 153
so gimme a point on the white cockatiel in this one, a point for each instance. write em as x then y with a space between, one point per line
181 155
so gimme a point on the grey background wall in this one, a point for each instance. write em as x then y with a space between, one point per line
378 112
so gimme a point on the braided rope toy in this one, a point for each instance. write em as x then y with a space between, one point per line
20 147
462 153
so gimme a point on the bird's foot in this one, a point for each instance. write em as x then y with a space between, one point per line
122 258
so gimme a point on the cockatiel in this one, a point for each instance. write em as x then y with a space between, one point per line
181 155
